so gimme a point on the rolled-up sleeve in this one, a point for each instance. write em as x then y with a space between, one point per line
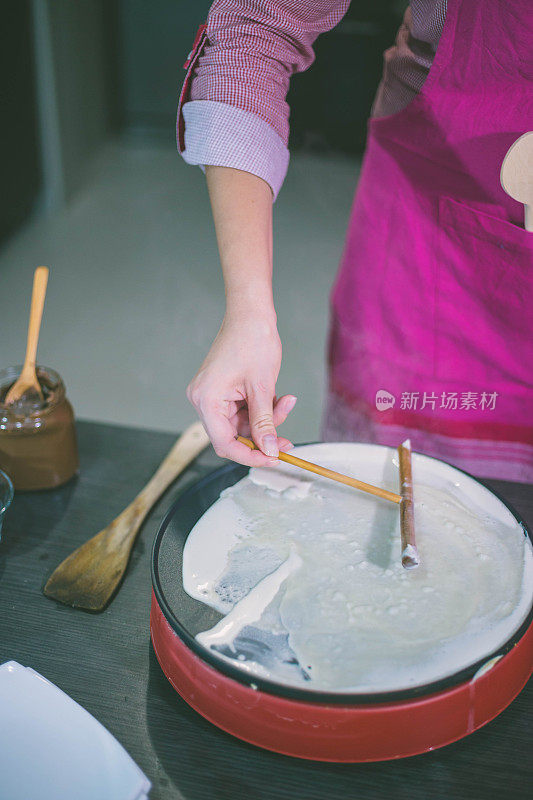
233 110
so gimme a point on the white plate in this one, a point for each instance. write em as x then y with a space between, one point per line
53 749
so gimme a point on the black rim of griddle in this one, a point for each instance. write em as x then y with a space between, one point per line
230 474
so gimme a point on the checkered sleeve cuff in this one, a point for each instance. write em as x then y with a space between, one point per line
223 135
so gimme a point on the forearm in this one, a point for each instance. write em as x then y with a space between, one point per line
234 391
242 213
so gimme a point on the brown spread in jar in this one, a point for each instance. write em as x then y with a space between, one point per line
38 447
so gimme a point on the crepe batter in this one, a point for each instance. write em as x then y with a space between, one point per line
308 574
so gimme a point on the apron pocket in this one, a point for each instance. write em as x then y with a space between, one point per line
484 296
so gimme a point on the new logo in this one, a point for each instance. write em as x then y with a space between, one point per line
384 400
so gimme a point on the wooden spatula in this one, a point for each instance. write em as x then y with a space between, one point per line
27 388
516 176
90 575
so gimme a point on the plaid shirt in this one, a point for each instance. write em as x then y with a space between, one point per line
233 111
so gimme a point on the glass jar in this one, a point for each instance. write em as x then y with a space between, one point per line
38 447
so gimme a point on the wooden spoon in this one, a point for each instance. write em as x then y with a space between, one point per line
27 386
516 176
90 575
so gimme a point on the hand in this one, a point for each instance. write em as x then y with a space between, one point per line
233 391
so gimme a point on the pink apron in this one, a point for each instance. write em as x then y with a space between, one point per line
431 333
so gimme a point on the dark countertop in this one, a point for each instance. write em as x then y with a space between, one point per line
105 661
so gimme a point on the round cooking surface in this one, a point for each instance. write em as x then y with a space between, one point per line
187 617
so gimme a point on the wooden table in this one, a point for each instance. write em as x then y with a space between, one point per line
105 661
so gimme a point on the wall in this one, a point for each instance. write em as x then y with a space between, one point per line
77 41
19 154
155 39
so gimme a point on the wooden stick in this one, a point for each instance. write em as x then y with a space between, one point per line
410 557
329 473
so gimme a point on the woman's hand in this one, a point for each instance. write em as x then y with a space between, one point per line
234 389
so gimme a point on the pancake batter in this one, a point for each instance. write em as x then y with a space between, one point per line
309 574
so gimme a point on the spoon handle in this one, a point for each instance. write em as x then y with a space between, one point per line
40 281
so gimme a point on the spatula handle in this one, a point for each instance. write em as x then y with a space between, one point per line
124 528
192 441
